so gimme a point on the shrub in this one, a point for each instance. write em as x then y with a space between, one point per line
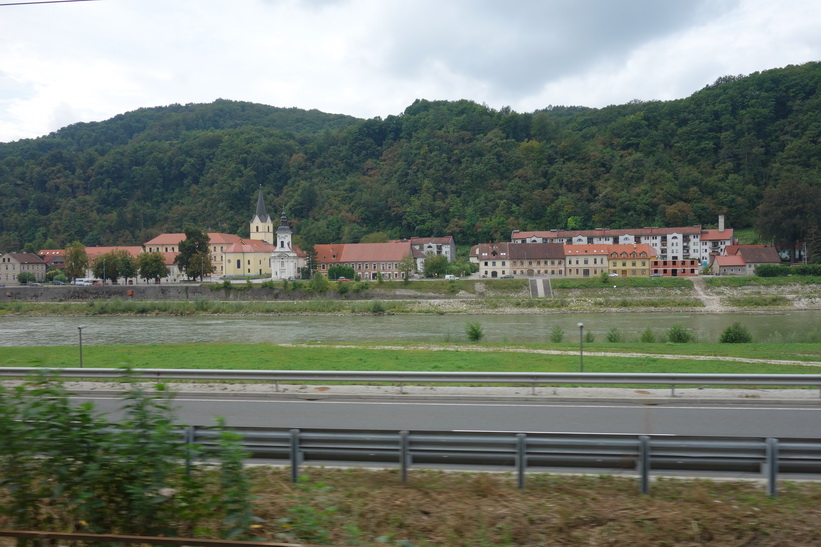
343 288
557 334
736 334
772 270
474 332
679 335
378 307
613 336
648 336
589 337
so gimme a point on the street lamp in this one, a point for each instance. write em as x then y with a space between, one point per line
80 330
581 347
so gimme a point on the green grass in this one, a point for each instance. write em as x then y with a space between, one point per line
368 358
622 282
745 281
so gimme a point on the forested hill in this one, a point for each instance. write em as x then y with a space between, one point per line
439 168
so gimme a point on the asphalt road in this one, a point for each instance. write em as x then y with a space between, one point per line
767 418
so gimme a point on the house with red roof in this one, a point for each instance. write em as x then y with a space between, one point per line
368 260
744 259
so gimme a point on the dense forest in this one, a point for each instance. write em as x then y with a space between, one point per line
438 168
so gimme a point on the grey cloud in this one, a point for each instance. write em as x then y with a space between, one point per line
518 47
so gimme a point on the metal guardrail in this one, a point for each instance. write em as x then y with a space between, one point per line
523 452
401 379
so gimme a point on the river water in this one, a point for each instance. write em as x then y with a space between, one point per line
58 331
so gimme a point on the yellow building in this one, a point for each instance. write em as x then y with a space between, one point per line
632 260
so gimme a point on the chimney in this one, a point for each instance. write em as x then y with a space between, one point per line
720 223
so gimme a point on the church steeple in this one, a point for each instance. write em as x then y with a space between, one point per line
262 213
262 226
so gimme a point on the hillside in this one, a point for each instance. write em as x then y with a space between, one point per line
439 167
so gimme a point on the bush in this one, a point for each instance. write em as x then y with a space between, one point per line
474 332
613 336
772 270
679 335
343 288
557 334
589 337
378 307
736 334
648 336
66 467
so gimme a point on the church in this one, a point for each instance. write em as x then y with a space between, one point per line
265 252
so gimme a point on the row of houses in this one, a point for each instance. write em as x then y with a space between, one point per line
270 252
670 244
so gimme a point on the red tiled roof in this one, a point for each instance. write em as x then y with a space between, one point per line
735 260
578 250
51 252
363 252
94 252
250 246
175 238
631 248
715 235
611 232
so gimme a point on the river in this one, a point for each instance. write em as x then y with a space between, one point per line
105 330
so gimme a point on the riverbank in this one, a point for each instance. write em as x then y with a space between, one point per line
420 297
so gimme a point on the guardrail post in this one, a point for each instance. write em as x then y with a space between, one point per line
404 454
772 467
672 390
401 387
644 463
295 455
521 458
189 435
276 386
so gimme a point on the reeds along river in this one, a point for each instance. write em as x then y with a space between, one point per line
792 326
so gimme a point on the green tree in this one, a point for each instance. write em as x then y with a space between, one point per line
76 260
435 265
105 267
194 258
338 270
407 266
789 213
151 266
126 264
736 334
24 278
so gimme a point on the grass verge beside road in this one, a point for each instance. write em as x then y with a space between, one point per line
479 358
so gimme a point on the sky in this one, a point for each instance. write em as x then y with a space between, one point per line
84 61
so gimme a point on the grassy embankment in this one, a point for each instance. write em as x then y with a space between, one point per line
473 296
456 358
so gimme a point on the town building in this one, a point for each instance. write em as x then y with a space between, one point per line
586 260
368 260
630 260
218 243
13 264
679 243
675 268
744 259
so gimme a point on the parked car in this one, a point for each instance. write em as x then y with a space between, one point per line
35 284
451 277
614 274
57 282
508 276
343 279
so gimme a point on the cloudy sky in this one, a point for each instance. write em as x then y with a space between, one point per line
90 60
